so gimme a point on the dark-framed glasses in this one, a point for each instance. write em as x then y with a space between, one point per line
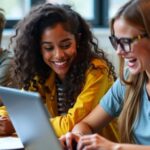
125 43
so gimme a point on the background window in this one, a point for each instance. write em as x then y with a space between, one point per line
87 12
96 12
16 9
114 5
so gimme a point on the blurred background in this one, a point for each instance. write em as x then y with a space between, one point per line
97 12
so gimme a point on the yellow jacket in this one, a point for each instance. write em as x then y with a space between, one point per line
96 85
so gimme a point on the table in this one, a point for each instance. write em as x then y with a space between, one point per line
10 143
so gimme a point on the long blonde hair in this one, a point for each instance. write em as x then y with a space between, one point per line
136 13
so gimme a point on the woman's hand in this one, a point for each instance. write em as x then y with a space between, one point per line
69 140
95 142
6 127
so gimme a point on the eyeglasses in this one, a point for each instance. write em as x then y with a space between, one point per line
125 43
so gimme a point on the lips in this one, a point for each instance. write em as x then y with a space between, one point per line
131 62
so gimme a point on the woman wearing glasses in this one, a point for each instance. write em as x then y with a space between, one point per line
129 97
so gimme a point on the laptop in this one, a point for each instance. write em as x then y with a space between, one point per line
30 119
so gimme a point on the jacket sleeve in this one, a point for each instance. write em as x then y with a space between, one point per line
96 85
3 111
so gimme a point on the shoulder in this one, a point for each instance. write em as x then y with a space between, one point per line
6 54
99 72
98 67
98 63
112 101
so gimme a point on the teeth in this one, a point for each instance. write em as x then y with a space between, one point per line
130 60
60 63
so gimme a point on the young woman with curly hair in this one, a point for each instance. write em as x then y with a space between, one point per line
57 55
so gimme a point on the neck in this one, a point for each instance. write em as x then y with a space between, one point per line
59 79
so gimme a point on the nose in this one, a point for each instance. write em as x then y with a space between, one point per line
58 53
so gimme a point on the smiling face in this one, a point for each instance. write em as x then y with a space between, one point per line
58 48
138 59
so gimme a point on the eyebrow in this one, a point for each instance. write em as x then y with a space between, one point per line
67 39
45 43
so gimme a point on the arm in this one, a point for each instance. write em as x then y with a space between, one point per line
132 147
97 119
95 141
109 106
97 83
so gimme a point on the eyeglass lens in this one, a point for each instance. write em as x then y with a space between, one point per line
124 43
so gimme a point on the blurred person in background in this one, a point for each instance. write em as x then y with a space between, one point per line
5 55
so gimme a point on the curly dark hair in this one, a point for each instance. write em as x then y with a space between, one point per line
28 61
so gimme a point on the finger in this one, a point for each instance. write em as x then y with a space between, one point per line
90 147
90 136
84 142
69 138
62 140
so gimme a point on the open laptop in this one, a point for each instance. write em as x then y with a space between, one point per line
30 119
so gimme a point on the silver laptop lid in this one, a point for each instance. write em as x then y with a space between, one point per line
30 119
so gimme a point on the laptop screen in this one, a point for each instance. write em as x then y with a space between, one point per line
30 119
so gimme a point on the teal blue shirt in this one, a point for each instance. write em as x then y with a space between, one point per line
112 104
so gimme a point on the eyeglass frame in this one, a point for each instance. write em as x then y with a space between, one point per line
128 41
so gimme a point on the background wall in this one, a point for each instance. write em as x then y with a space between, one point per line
102 35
